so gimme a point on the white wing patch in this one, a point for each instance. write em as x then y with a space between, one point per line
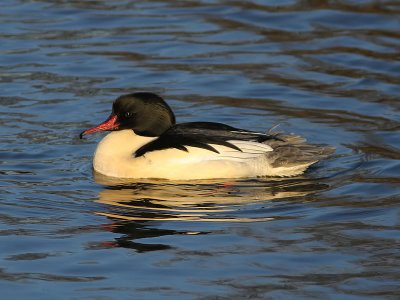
249 150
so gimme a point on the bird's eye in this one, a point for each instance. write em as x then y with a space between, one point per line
128 114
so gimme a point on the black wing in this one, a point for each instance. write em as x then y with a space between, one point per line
201 135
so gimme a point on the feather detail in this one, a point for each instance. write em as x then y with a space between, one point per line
203 135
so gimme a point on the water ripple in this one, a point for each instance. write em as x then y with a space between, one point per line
328 70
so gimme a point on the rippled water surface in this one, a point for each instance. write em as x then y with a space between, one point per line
328 70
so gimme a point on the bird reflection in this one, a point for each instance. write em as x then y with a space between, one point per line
137 209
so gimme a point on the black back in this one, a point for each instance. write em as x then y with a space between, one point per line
201 135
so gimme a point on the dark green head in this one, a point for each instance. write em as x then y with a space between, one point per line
147 114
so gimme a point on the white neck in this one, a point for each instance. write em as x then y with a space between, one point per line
116 148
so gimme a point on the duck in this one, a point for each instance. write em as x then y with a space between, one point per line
145 142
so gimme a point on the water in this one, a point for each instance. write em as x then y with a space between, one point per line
328 70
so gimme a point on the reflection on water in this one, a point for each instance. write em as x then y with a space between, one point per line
326 70
130 205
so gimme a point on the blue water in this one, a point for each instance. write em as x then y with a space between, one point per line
327 70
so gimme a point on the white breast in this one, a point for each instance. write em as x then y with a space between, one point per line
114 153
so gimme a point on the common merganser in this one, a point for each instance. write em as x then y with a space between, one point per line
145 142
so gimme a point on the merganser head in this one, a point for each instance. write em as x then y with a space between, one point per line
145 113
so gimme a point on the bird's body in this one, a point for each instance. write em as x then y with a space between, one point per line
197 150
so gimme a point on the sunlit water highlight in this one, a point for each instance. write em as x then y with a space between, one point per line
327 70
